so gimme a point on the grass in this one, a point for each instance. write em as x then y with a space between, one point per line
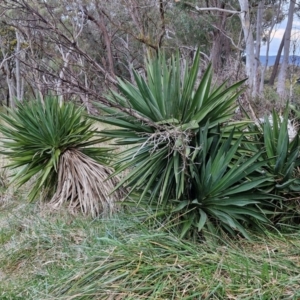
46 255
56 255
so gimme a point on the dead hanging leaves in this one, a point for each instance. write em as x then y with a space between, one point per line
86 185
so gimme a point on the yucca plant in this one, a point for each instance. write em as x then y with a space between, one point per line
170 162
162 122
225 193
224 196
52 143
281 151
282 162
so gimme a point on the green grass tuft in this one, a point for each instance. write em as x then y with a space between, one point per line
62 256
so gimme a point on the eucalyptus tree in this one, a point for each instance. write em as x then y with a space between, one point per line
281 90
76 48
250 25
56 59
272 17
11 51
214 26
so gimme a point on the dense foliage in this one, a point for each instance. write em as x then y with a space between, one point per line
182 156
278 136
188 162
78 49
50 142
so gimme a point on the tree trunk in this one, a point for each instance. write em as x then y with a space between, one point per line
268 39
286 52
216 50
249 41
257 66
8 71
277 62
106 38
19 78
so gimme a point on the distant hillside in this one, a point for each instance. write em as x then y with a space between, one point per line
294 59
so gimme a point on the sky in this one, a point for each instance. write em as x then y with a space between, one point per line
277 37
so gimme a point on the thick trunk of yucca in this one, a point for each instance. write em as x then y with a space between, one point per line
84 184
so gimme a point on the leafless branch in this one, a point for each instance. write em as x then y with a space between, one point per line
197 8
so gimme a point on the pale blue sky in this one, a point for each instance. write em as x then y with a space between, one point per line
277 36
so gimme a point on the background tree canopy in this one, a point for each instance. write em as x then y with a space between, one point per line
77 48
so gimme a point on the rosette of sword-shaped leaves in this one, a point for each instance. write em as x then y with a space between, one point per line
160 120
282 157
281 151
160 117
55 144
224 194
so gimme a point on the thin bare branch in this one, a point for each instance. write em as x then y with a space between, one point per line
197 8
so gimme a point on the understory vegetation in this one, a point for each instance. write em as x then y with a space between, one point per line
51 141
46 255
185 203
192 163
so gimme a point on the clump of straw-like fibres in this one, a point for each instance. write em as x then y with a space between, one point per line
85 184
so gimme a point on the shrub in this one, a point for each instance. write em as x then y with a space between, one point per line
281 145
185 157
52 142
